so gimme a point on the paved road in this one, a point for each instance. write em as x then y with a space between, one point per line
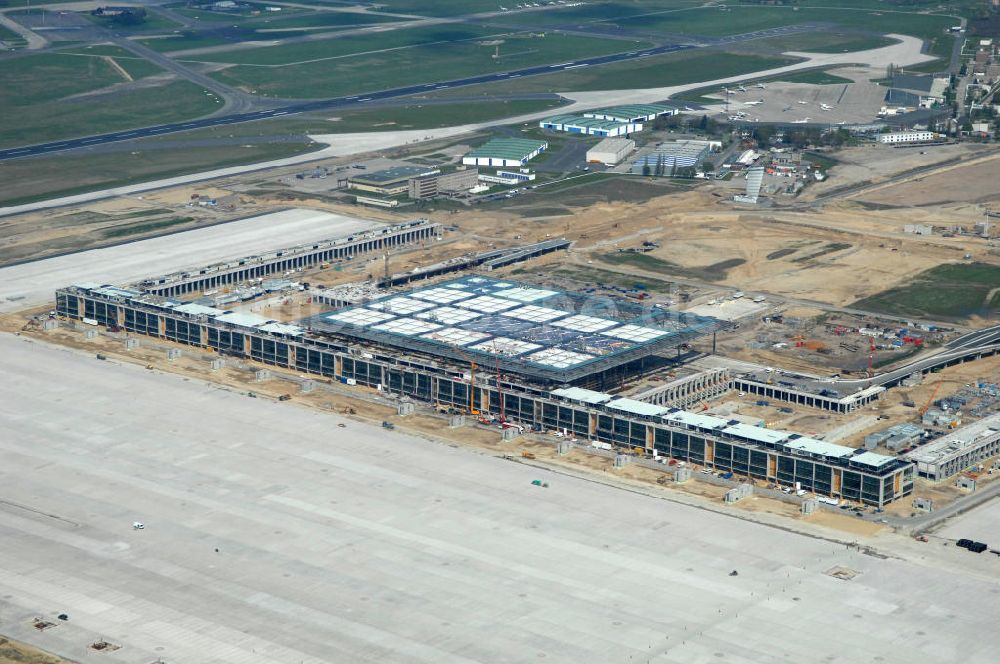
234 101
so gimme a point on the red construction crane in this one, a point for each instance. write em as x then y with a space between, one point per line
930 401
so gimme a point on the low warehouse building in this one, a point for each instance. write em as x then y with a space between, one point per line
578 124
390 181
632 113
505 152
611 151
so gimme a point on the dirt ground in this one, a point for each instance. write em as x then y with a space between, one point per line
15 652
876 163
975 184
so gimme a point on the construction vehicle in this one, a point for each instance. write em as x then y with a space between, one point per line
528 455
388 425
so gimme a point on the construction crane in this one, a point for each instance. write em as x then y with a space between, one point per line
927 406
472 379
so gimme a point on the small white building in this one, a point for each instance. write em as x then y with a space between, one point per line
907 137
611 151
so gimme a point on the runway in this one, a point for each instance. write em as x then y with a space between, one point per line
361 99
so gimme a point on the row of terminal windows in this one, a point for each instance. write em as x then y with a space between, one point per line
225 340
141 322
315 362
621 431
269 351
182 331
105 314
556 416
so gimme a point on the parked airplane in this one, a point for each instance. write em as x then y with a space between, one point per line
741 89
802 121
802 102
759 85
753 103
826 107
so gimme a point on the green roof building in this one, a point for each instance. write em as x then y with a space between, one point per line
505 152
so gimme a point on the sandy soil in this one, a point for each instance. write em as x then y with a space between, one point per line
876 163
15 652
973 184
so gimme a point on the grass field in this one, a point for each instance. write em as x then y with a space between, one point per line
823 41
11 38
439 36
438 7
661 71
406 66
153 23
186 40
323 20
45 81
136 67
740 19
28 180
813 77
947 291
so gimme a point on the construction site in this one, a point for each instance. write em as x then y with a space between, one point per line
829 379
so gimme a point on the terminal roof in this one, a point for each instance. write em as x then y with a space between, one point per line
582 395
637 407
549 334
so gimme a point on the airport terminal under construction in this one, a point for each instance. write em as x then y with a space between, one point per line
520 355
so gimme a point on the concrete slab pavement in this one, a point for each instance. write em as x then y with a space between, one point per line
34 283
274 535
